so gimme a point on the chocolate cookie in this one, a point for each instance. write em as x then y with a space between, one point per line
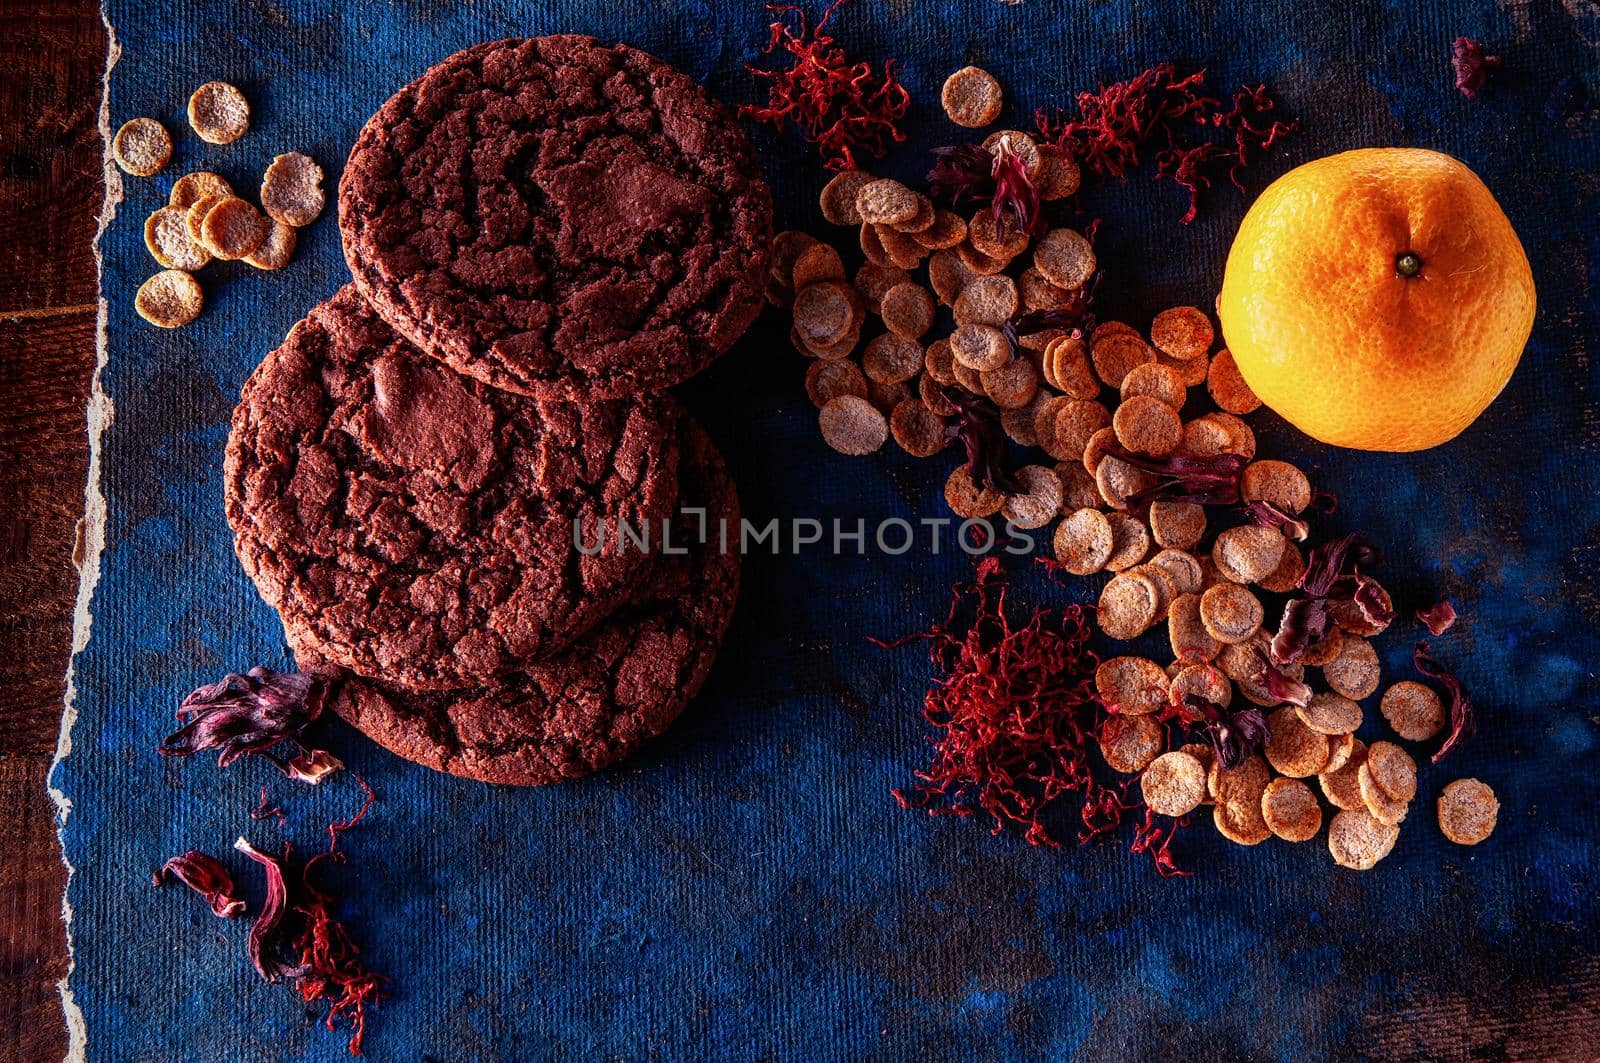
558 217
591 704
416 525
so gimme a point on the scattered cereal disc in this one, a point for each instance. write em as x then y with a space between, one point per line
967 498
1076 421
1340 785
968 378
1324 649
1227 385
1192 373
1206 756
994 237
1134 686
1290 810
987 301
1157 381
887 396
1286 577
948 275
1039 500
1250 552
816 264
1340 749
980 347
1130 542
1202 680
838 199
828 380
947 231
1012 386
1019 144
1174 784
976 262
169 299
1355 672
1182 567
787 247
939 362
1241 440
907 310
1044 427
1083 542
1077 487
934 397
1119 482
142 147
1127 606
1166 590
918 430
1146 425
873 283
1238 660
1238 794
971 97
1018 421
1413 710
852 425
885 202
1111 328
1068 362
824 312
919 222
166 234
903 251
1393 769
891 359
193 187
1293 749
1183 332
1277 482
1204 438
1130 743
1330 714
232 229
1036 293
1117 355
1065 258
1253 684
1386 809
195 216
1179 525
1349 617
1468 811
1358 841
1191 642
1230 612
1060 175
872 246
291 190
218 113
1098 449
829 352
277 249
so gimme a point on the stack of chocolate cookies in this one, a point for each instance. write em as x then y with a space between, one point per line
428 477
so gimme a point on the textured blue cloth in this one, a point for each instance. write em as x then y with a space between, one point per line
746 887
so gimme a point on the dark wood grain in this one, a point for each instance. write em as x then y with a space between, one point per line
52 59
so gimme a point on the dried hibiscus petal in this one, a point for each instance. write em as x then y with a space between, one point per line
250 714
1015 197
977 426
1234 734
962 175
1472 64
1206 481
1277 683
205 876
312 765
1270 515
1305 622
1438 618
1463 724
264 951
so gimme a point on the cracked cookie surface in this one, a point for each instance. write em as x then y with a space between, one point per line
558 217
413 524
593 703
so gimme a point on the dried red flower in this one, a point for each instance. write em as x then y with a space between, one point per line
1154 836
977 427
1270 515
843 107
965 175
250 714
1254 133
1333 571
1016 200
1206 481
1187 167
1113 124
268 961
1463 723
1233 733
1438 618
205 876
1277 683
1472 64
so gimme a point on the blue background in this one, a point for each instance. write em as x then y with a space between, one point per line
746 887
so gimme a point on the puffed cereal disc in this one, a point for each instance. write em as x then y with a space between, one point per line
1393 769
1111 328
193 187
1036 293
1173 784
1230 612
1039 500
1340 785
1324 649
1013 385
1019 144
939 362
232 229
1166 590
1136 686
816 264
919 222
169 299
195 216
902 250
1355 672
1179 525
948 275
980 347
1340 749
872 246
1182 567
967 498
1353 621
1130 743
1018 421
1286 577
873 283
1204 438
1413 710
987 301
1203 680
1386 809
1330 714
887 396
947 231
1098 449
1290 810
1192 373
829 380
1059 174
838 198
1118 481
891 359
1191 642
219 113
971 97
1076 421
1146 425
1238 794
166 234
1156 381
885 202
995 237
1277 482
1184 333
1207 756
1077 487
1241 439
852 425
1130 542
918 430
824 312
277 249
1069 368
1468 811
1358 841
142 147
932 394
1065 258
1227 385
1249 551
1293 749
907 310
976 261
1127 606
1117 355
1083 542
291 190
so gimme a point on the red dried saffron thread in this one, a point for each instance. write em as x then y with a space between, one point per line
263 810
840 106
1114 123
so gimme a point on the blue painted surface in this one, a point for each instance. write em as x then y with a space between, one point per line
746 887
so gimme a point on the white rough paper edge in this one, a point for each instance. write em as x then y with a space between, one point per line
90 543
